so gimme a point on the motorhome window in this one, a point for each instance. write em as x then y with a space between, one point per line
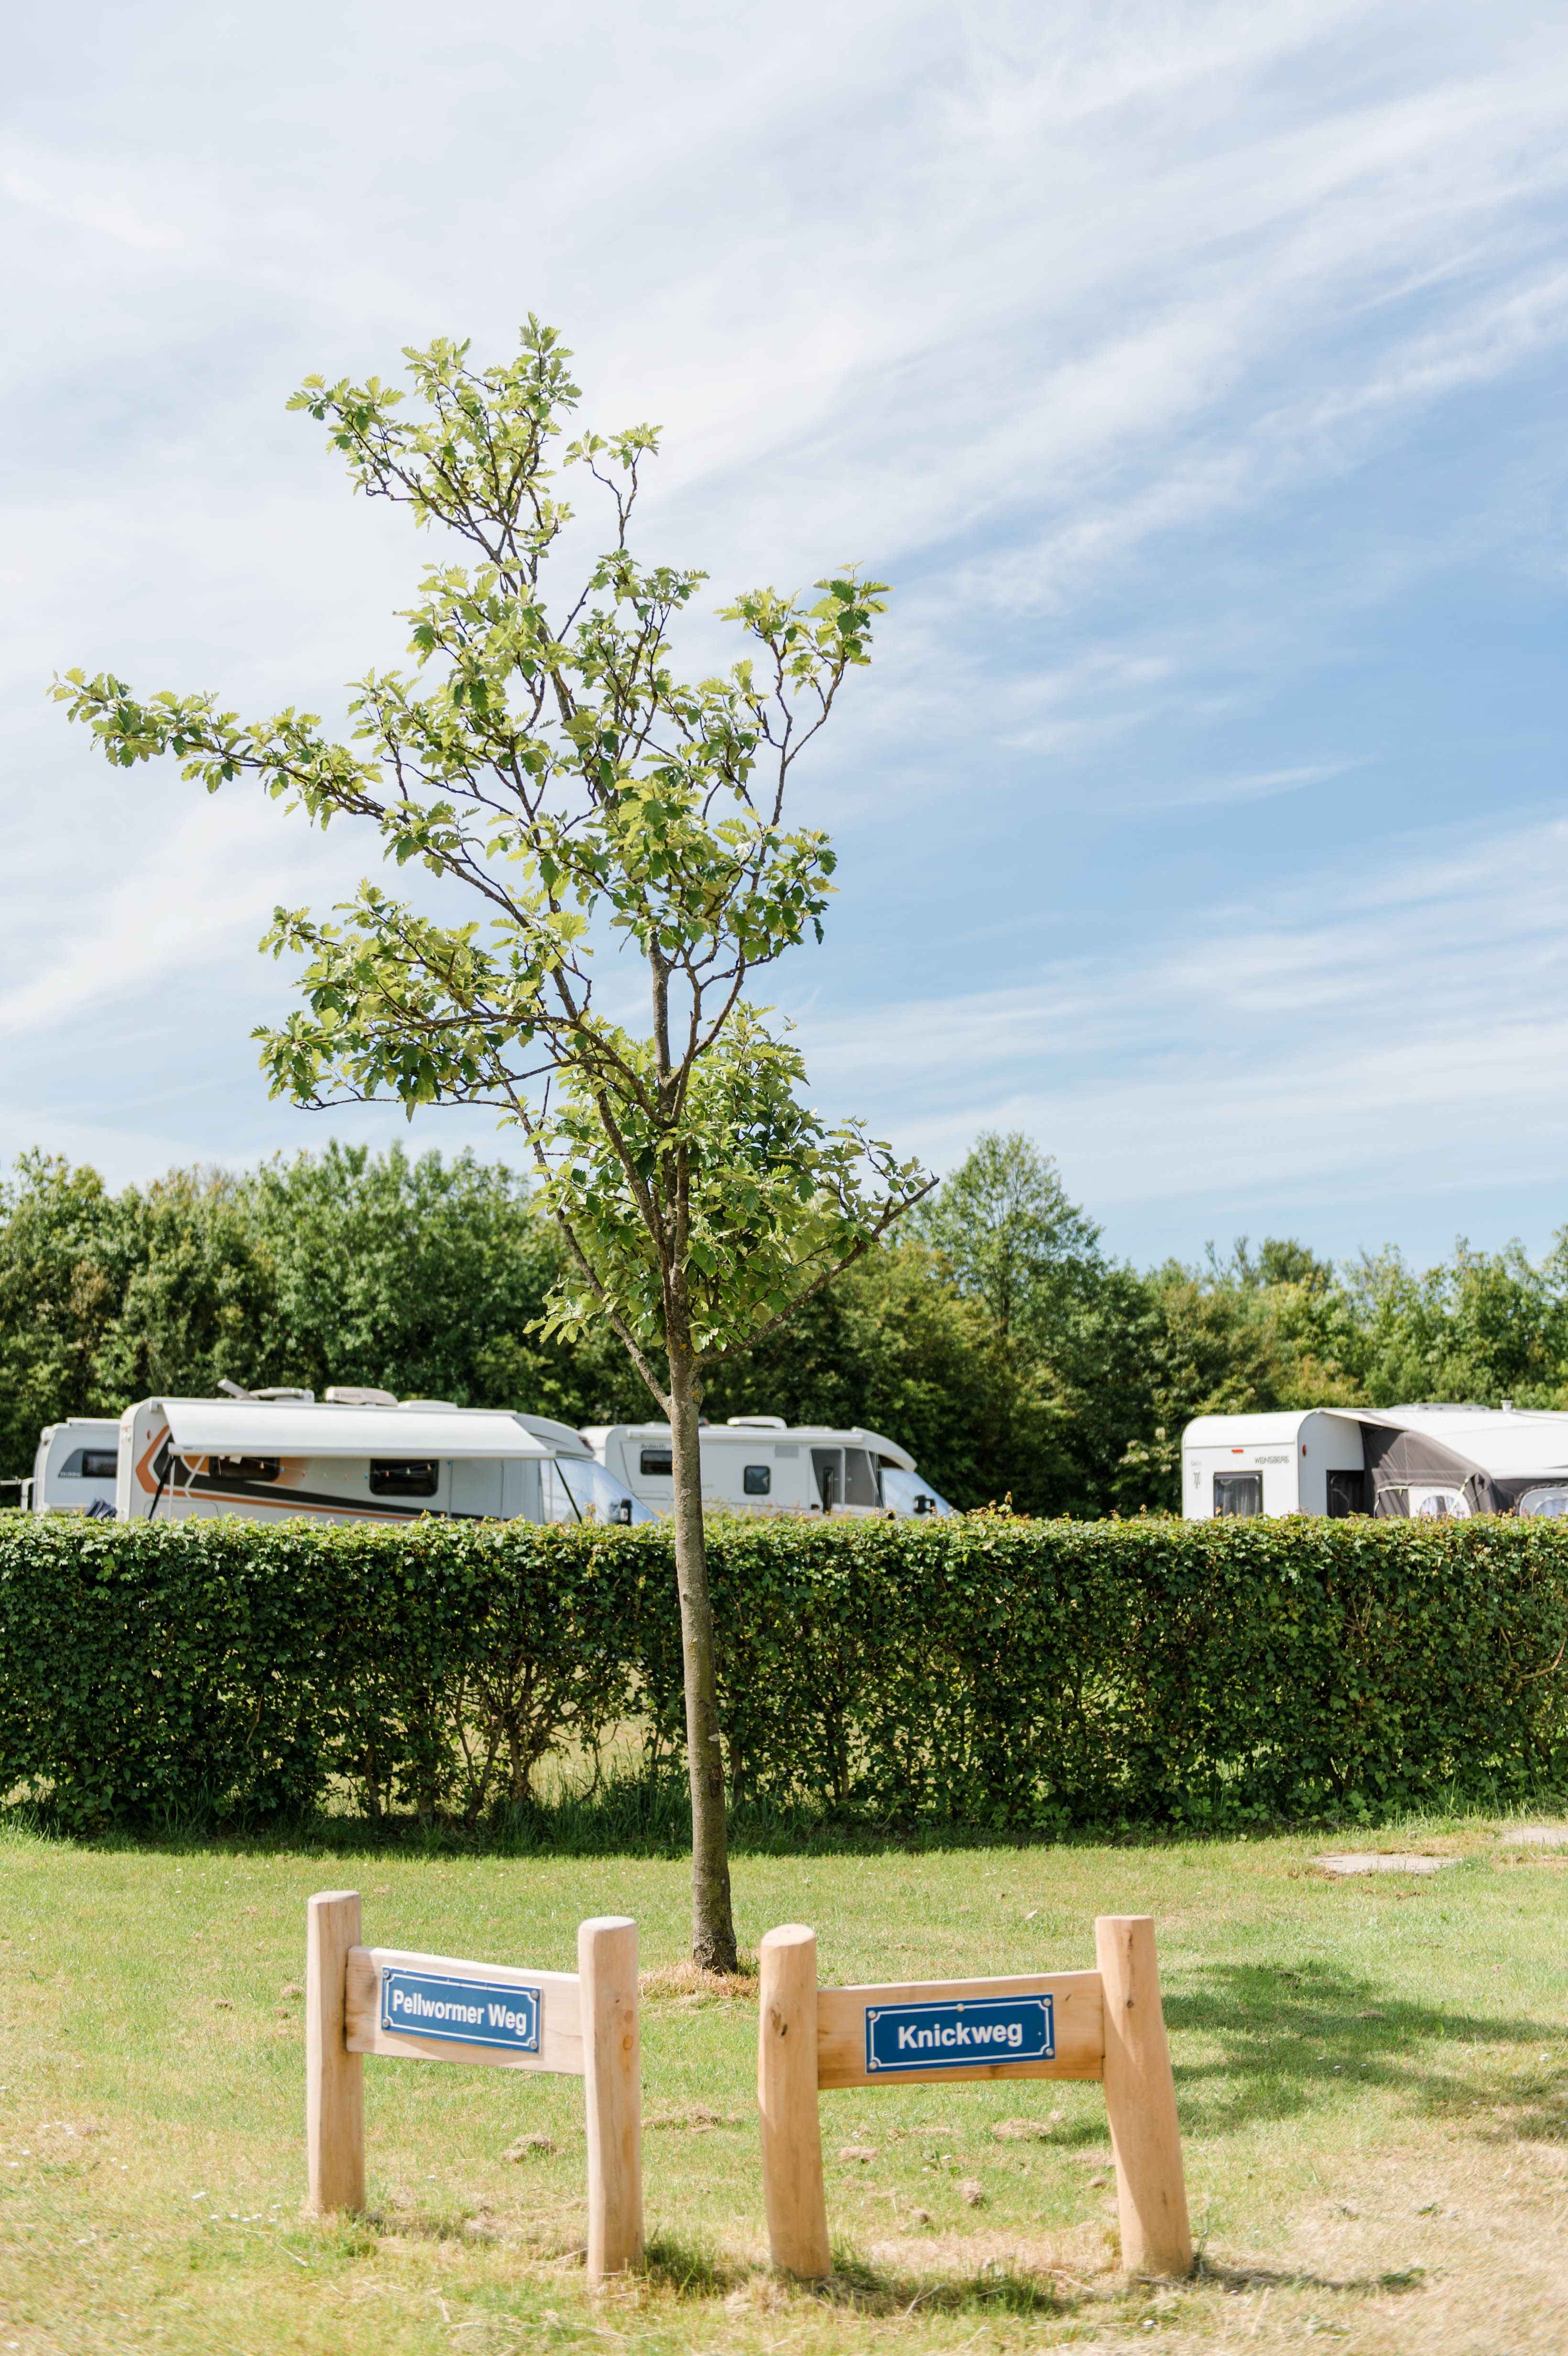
575 1489
1347 1495
859 1479
659 1463
906 1493
245 1468
1548 1505
757 1480
828 1471
403 1476
91 1464
1238 1494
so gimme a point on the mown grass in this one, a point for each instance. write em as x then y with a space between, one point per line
1372 2077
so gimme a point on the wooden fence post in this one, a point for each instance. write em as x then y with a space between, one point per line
786 2096
335 2078
1140 2101
612 2068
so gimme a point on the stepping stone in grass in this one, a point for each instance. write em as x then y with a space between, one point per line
1379 1861
1536 1836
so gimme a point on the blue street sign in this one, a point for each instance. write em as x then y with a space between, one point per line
967 2030
466 2012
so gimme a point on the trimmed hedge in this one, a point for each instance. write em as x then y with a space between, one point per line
985 1672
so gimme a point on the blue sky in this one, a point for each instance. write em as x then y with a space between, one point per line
1195 373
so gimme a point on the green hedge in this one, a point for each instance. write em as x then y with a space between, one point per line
983 1672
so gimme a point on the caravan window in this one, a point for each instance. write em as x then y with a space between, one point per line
1238 1494
1549 1504
757 1480
659 1463
245 1468
403 1476
1438 1506
91 1464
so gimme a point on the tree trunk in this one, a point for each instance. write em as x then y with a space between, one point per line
712 1923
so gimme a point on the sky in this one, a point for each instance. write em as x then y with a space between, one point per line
1193 372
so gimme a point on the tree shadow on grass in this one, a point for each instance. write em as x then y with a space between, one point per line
1295 2039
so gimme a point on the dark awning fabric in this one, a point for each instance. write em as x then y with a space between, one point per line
1396 1459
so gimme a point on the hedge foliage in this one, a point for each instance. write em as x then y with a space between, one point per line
985 1672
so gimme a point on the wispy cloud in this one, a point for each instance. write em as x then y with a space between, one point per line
1328 1032
1074 321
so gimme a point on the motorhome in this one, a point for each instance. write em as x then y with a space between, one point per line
759 1464
74 1468
1420 1461
358 1456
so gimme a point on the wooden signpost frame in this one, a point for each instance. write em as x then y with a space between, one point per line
587 2028
1108 2025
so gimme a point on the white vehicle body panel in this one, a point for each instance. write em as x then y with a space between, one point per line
66 1470
760 1465
1293 1452
270 1461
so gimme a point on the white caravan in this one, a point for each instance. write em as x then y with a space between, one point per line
759 1464
75 1465
357 1457
1420 1461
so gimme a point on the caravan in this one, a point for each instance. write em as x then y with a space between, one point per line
759 1464
74 1468
356 1456
1420 1462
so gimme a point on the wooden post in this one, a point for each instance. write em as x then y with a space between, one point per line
1140 2101
787 2097
335 2078
613 2089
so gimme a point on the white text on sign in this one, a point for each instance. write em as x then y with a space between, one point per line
466 2012
943 2035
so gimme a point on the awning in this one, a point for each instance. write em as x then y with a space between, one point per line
289 1428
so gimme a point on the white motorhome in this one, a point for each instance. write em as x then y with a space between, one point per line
759 1464
1420 1462
356 1456
74 1468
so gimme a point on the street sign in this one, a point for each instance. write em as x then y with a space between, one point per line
463 2011
936 2036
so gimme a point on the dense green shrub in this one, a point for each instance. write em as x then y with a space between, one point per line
985 1672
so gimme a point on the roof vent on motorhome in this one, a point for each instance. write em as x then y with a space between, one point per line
758 1422
448 1406
357 1395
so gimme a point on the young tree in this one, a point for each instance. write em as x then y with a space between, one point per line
1013 1239
549 761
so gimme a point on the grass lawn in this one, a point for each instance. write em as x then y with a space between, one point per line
1372 2078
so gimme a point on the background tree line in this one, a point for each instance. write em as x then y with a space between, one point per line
995 1338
